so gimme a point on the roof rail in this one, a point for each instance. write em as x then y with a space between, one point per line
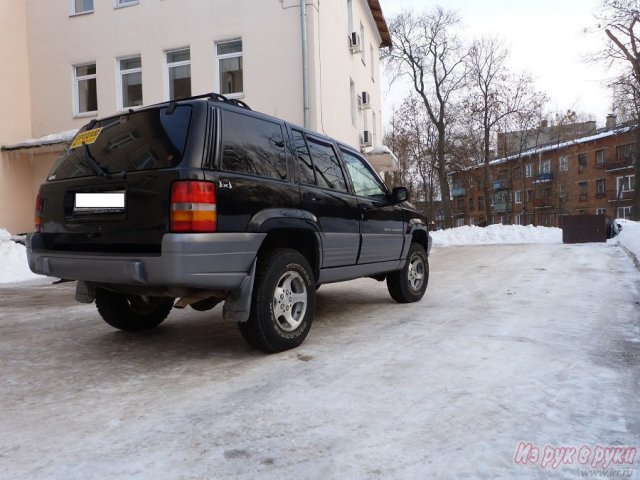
214 97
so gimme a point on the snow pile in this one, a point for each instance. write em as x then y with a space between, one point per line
629 237
493 234
13 260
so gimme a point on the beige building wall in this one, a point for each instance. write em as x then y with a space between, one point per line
16 200
271 52
335 67
42 40
272 56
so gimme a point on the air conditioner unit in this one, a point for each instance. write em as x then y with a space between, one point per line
355 43
366 140
365 101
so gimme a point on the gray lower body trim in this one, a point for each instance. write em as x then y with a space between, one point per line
212 261
340 274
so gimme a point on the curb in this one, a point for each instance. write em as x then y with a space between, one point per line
632 255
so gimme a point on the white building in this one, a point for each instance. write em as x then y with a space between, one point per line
73 60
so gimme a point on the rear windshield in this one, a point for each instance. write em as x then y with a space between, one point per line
144 140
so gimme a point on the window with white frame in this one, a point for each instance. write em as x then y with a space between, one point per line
545 166
626 183
81 6
352 96
472 221
564 191
85 89
179 73
601 211
517 219
374 130
130 82
365 121
563 163
373 72
459 222
230 70
518 196
624 212
528 170
528 195
362 52
126 3
599 157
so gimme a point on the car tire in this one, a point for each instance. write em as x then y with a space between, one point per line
408 284
283 302
132 313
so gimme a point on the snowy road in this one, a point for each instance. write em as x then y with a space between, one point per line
513 343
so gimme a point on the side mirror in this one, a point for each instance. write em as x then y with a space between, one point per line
399 195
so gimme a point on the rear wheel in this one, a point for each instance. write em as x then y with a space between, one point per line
409 284
132 312
283 302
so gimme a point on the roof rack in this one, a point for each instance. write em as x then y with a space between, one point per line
214 97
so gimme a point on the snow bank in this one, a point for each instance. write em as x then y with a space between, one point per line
471 235
629 238
13 260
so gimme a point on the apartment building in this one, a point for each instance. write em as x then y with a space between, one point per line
74 60
592 174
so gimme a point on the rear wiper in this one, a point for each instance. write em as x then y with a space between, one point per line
95 166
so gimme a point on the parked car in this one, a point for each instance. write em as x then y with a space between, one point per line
202 200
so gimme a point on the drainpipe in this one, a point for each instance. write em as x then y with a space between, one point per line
305 63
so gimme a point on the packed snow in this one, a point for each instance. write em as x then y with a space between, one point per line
513 346
629 238
13 260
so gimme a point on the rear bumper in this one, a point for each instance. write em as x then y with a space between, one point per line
199 260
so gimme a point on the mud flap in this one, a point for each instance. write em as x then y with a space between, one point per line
85 292
237 306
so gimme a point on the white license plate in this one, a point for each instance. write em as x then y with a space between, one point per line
97 202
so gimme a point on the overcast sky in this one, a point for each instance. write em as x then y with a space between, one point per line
545 37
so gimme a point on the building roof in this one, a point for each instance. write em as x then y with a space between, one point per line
568 143
381 23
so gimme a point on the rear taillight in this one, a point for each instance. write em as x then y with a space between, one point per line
193 207
38 214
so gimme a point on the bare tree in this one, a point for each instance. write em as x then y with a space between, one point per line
428 52
620 21
415 135
496 94
527 123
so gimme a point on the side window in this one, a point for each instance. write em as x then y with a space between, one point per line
304 159
364 181
326 163
252 146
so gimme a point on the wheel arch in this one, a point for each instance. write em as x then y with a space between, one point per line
290 228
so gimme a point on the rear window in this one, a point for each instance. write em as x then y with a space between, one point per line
253 146
145 140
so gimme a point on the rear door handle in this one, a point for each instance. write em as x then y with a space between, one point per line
310 196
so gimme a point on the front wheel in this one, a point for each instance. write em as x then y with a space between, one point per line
132 313
283 302
409 284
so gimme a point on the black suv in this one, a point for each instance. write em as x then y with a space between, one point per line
203 200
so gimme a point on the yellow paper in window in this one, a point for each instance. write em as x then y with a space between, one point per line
86 138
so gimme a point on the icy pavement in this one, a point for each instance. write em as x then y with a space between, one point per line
512 343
